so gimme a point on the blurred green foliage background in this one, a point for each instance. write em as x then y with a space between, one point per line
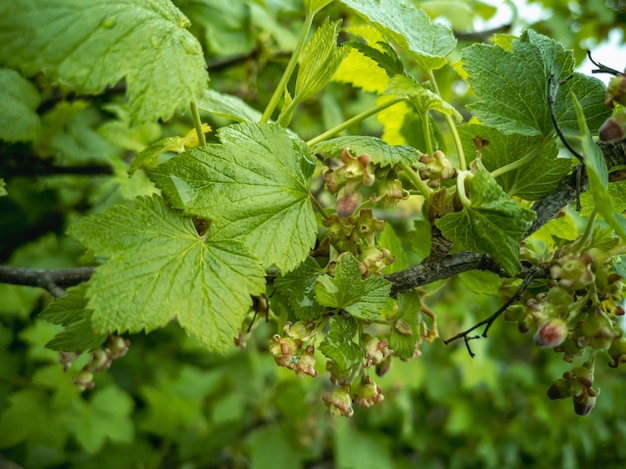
171 404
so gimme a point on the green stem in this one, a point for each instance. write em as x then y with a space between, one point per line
197 122
285 115
452 125
577 247
516 164
415 178
319 207
460 187
291 65
426 131
354 120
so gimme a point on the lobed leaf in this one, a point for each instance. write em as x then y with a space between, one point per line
361 298
298 287
254 186
88 46
426 42
159 269
338 344
493 224
71 311
228 106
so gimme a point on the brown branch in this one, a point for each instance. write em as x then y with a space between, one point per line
55 281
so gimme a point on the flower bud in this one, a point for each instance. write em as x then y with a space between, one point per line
306 363
551 333
284 351
614 128
339 401
617 352
66 359
584 403
368 393
348 202
616 91
117 346
375 350
84 380
599 331
301 330
100 361
560 389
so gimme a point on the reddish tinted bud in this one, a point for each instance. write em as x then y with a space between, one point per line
84 380
617 352
614 128
383 367
117 346
551 333
66 359
339 402
348 203
306 363
100 361
584 403
368 393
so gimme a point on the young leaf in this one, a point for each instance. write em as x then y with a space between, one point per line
71 311
19 121
426 42
538 176
228 106
338 344
91 45
297 287
254 186
159 268
493 224
319 61
313 6
598 175
382 153
403 340
423 99
361 298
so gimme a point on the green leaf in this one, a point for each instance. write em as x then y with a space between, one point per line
228 106
538 176
147 158
106 418
482 282
381 152
423 99
555 229
71 311
403 340
3 190
368 65
338 344
361 298
313 6
513 86
90 45
493 224
160 268
29 416
319 61
426 42
254 186
19 121
297 287
598 175
388 239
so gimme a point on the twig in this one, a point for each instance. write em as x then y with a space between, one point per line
488 322
602 68
55 281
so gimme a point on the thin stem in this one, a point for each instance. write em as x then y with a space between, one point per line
515 164
354 120
460 187
319 207
197 122
285 115
577 247
291 65
452 125
426 131
415 178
